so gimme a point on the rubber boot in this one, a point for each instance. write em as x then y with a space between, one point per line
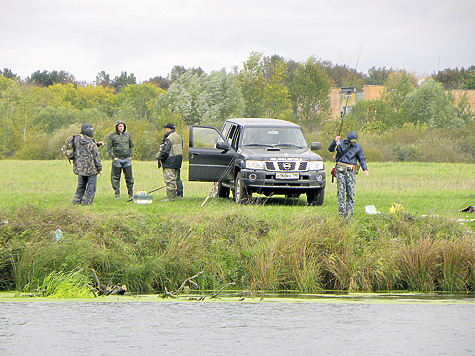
171 196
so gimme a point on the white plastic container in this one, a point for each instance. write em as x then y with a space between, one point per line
142 198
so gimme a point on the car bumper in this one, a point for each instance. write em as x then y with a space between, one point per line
266 182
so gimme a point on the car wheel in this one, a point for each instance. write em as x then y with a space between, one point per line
241 195
222 192
316 196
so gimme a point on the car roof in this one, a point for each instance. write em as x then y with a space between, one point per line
261 122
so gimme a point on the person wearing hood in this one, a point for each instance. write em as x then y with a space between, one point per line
120 148
170 157
87 165
348 154
84 127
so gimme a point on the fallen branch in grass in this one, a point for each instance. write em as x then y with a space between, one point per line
227 284
189 282
102 289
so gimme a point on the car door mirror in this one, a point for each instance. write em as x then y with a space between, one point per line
315 146
221 145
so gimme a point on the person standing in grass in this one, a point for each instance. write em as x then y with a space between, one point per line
170 157
348 154
120 148
87 165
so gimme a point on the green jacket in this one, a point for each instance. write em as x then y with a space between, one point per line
120 145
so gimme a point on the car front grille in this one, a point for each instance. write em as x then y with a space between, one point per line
286 166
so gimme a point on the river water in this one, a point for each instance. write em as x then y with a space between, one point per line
237 328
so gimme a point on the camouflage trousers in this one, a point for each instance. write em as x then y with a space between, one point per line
170 176
346 181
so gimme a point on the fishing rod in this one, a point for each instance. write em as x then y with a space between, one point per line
343 112
229 166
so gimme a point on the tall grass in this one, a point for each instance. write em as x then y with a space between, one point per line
276 244
58 284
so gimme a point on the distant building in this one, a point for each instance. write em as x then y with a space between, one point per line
343 99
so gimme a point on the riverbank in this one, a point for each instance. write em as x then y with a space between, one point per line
275 245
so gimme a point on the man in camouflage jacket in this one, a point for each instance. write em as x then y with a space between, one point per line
349 153
87 165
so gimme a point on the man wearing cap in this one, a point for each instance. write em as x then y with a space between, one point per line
120 148
170 157
87 165
348 153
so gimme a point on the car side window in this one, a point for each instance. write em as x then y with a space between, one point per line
225 130
230 136
235 138
205 137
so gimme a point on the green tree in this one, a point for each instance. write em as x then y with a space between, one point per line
50 119
342 75
46 79
252 82
369 116
462 107
7 73
123 80
220 98
429 104
201 98
310 89
449 78
181 97
16 116
468 78
277 97
103 79
142 97
378 76
160 82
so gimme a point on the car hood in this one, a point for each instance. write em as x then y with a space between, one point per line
280 153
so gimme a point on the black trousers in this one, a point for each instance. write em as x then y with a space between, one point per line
179 185
86 190
116 173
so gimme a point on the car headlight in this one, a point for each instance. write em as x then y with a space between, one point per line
315 166
254 164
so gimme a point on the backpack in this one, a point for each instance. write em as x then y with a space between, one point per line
69 150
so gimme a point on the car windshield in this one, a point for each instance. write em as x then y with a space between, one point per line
272 136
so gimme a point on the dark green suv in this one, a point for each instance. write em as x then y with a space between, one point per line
264 156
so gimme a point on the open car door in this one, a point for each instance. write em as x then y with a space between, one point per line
207 161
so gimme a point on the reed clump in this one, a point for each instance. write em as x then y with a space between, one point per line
306 253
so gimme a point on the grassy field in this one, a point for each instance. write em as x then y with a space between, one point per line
422 188
271 244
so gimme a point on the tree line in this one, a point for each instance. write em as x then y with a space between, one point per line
37 113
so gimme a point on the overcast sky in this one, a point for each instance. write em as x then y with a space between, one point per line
149 37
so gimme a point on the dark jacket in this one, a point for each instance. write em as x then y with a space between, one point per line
354 154
120 145
171 153
87 161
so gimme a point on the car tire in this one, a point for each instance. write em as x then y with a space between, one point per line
241 195
316 196
221 191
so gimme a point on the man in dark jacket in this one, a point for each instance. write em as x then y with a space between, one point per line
87 165
348 153
170 156
120 148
